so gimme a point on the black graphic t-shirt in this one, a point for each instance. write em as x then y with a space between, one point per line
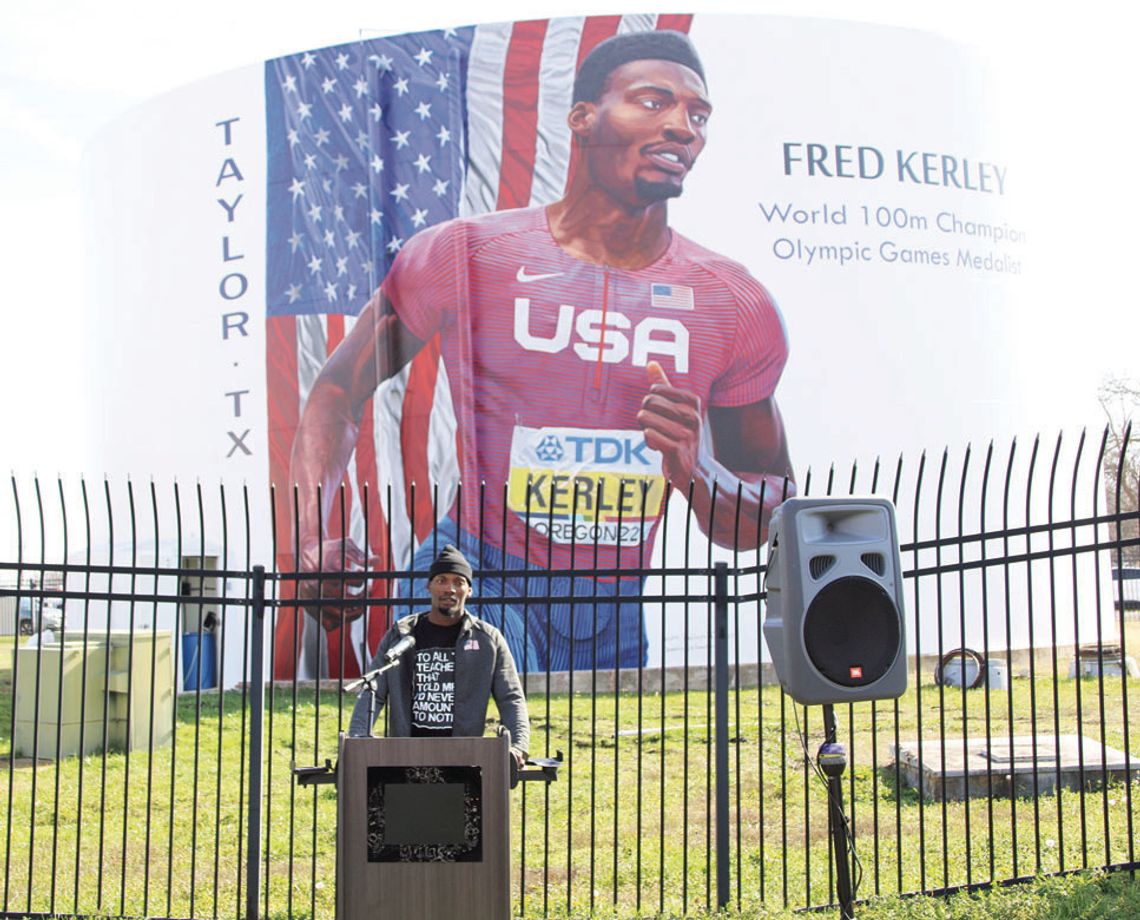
433 679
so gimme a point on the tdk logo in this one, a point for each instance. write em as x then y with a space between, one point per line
550 449
605 336
596 450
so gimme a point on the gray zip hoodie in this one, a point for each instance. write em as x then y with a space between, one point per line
484 668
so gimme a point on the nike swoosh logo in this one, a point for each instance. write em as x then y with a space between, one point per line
523 278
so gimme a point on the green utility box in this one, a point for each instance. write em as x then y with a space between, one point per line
115 689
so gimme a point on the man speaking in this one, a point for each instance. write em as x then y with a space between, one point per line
593 354
449 673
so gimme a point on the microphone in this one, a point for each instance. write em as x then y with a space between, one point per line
391 659
402 647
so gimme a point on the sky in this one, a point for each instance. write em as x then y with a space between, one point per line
68 68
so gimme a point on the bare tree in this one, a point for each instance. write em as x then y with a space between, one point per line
1119 397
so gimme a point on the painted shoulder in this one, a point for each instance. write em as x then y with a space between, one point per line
473 233
726 272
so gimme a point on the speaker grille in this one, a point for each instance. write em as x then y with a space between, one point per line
819 565
851 631
875 562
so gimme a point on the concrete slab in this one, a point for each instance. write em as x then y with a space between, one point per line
975 766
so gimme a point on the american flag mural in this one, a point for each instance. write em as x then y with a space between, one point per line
368 143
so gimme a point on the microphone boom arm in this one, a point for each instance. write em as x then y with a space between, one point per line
392 658
365 680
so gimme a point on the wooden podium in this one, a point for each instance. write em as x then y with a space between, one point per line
423 828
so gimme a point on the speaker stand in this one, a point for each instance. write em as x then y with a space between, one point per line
832 759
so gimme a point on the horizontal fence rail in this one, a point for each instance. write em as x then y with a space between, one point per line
168 657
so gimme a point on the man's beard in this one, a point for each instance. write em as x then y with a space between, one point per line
450 612
656 191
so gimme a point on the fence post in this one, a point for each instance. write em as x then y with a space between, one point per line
720 628
256 717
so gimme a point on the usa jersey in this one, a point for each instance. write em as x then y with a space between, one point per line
546 356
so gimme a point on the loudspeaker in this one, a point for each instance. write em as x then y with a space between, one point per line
834 619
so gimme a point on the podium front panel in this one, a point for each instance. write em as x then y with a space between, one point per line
423 829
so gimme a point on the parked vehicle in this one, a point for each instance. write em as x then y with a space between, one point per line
32 616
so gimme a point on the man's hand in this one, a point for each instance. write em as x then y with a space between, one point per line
519 756
738 475
671 419
336 556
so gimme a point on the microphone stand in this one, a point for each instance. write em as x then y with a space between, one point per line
832 758
365 680
308 776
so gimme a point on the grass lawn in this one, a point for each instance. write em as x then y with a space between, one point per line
626 831
1083 897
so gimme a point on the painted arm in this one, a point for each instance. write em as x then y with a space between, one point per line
378 346
738 448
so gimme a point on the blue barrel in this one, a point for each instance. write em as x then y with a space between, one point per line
199 661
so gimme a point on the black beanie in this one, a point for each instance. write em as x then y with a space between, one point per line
450 560
665 45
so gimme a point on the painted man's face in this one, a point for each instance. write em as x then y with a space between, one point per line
647 129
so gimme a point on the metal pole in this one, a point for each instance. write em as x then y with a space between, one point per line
256 718
720 626
837 822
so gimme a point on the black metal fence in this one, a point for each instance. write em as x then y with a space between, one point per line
132 788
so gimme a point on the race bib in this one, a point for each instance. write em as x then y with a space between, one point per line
583 485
